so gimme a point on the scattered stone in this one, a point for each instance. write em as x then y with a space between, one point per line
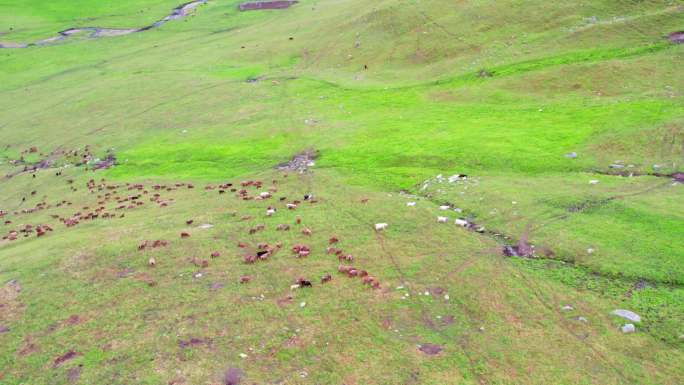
628 328
582 319
205 226
626 314
444 208
243 355
617 166
302 304
571 155
567 308
593 181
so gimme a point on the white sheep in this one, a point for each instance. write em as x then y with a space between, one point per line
381 226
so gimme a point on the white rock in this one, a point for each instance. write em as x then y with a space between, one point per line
243 355
567 308
302 304
381 226
582 319
458 210
295 286
627 314
444 207
410 204
446 297
628 328
461 222
427 292
205 226
590 251
442 219
593 181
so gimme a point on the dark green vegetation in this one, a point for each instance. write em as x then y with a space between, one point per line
391 94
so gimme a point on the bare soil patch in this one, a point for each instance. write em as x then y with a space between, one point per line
259 5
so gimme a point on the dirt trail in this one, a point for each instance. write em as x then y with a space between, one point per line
181 11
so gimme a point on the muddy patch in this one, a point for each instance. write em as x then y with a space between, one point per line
71 354
233 376
192 342
258 5
430 349
676 37
181 11
74 374
10 307
300 162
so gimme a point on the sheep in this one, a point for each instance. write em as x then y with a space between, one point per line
442 219
381 226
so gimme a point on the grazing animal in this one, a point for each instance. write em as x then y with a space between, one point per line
184 235
245 279
307 231
303 282
326 278
151 262
301 250
215 254
333 240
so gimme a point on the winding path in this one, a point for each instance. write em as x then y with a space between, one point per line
97 32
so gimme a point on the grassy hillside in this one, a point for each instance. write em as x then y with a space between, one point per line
395 97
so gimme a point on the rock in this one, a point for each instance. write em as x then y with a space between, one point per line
582 319
567 308
626 314
410 204
593 181
206 226
571 155
615 165
628 328
444 207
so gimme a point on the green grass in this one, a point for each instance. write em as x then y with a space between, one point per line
226 96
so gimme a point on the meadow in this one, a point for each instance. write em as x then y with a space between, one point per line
566 118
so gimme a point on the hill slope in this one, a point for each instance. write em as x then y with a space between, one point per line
567 120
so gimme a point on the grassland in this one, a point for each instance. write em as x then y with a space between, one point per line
391 94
